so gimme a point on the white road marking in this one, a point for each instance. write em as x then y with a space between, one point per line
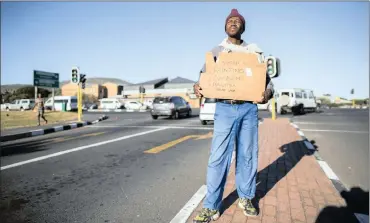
151 126
183 215
323 123
79 148
331 130
328 171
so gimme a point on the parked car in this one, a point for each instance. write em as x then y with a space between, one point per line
173 107
111 103
295 100
19 105
207 110
69 101
135 105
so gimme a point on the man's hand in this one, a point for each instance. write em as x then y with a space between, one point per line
266 95
197 90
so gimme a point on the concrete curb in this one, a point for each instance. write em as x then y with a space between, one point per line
39 132
338 185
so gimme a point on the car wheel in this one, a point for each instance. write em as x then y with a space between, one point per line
176 116
203 122
301 109
154 116
189 114
22 109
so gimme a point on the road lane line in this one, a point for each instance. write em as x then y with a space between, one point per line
151 126
79 148
168 145
183 215
189 207
338 131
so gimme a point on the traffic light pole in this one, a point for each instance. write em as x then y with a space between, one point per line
79 102
273 109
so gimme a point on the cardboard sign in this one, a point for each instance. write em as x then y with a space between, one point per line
236 76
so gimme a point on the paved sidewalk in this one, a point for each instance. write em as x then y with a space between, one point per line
291 186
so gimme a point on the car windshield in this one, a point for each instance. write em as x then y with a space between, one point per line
210 100
161 100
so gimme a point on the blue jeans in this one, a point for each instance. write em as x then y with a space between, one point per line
234 125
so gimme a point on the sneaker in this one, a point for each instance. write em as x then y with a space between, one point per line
206 215
247 206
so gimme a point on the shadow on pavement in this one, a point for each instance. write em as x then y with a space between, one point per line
357 202
270 175
24 147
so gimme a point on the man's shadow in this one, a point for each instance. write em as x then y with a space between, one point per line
267 178
357 201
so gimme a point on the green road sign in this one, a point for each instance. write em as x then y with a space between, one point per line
45 79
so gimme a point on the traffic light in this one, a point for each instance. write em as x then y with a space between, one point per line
75 75
272 66
83 80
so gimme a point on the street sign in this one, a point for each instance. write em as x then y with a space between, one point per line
45 79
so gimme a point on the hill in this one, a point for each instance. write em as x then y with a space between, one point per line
101 80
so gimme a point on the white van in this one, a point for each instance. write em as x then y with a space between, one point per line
295 100
111 103
70 101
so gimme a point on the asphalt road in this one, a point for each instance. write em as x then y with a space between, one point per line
111 181
342 138
131 168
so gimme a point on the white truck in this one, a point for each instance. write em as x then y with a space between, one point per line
19 105
295 100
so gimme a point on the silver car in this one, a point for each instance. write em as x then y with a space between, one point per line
173 107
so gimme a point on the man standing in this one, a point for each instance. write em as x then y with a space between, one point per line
40 110
235 124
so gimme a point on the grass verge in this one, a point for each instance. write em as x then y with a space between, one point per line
17 119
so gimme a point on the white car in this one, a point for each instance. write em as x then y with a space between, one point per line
111 103
135 105
207 110
295 100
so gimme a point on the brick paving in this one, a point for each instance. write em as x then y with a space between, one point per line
291 187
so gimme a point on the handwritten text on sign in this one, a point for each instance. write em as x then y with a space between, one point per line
225 79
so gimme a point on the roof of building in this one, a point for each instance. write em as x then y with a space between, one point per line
151 82
181 80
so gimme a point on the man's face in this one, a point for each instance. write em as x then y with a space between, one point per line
233 26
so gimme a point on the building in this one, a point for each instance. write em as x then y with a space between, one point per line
96 90
116 88
162 87
113 89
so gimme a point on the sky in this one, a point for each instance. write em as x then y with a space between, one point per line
323 46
